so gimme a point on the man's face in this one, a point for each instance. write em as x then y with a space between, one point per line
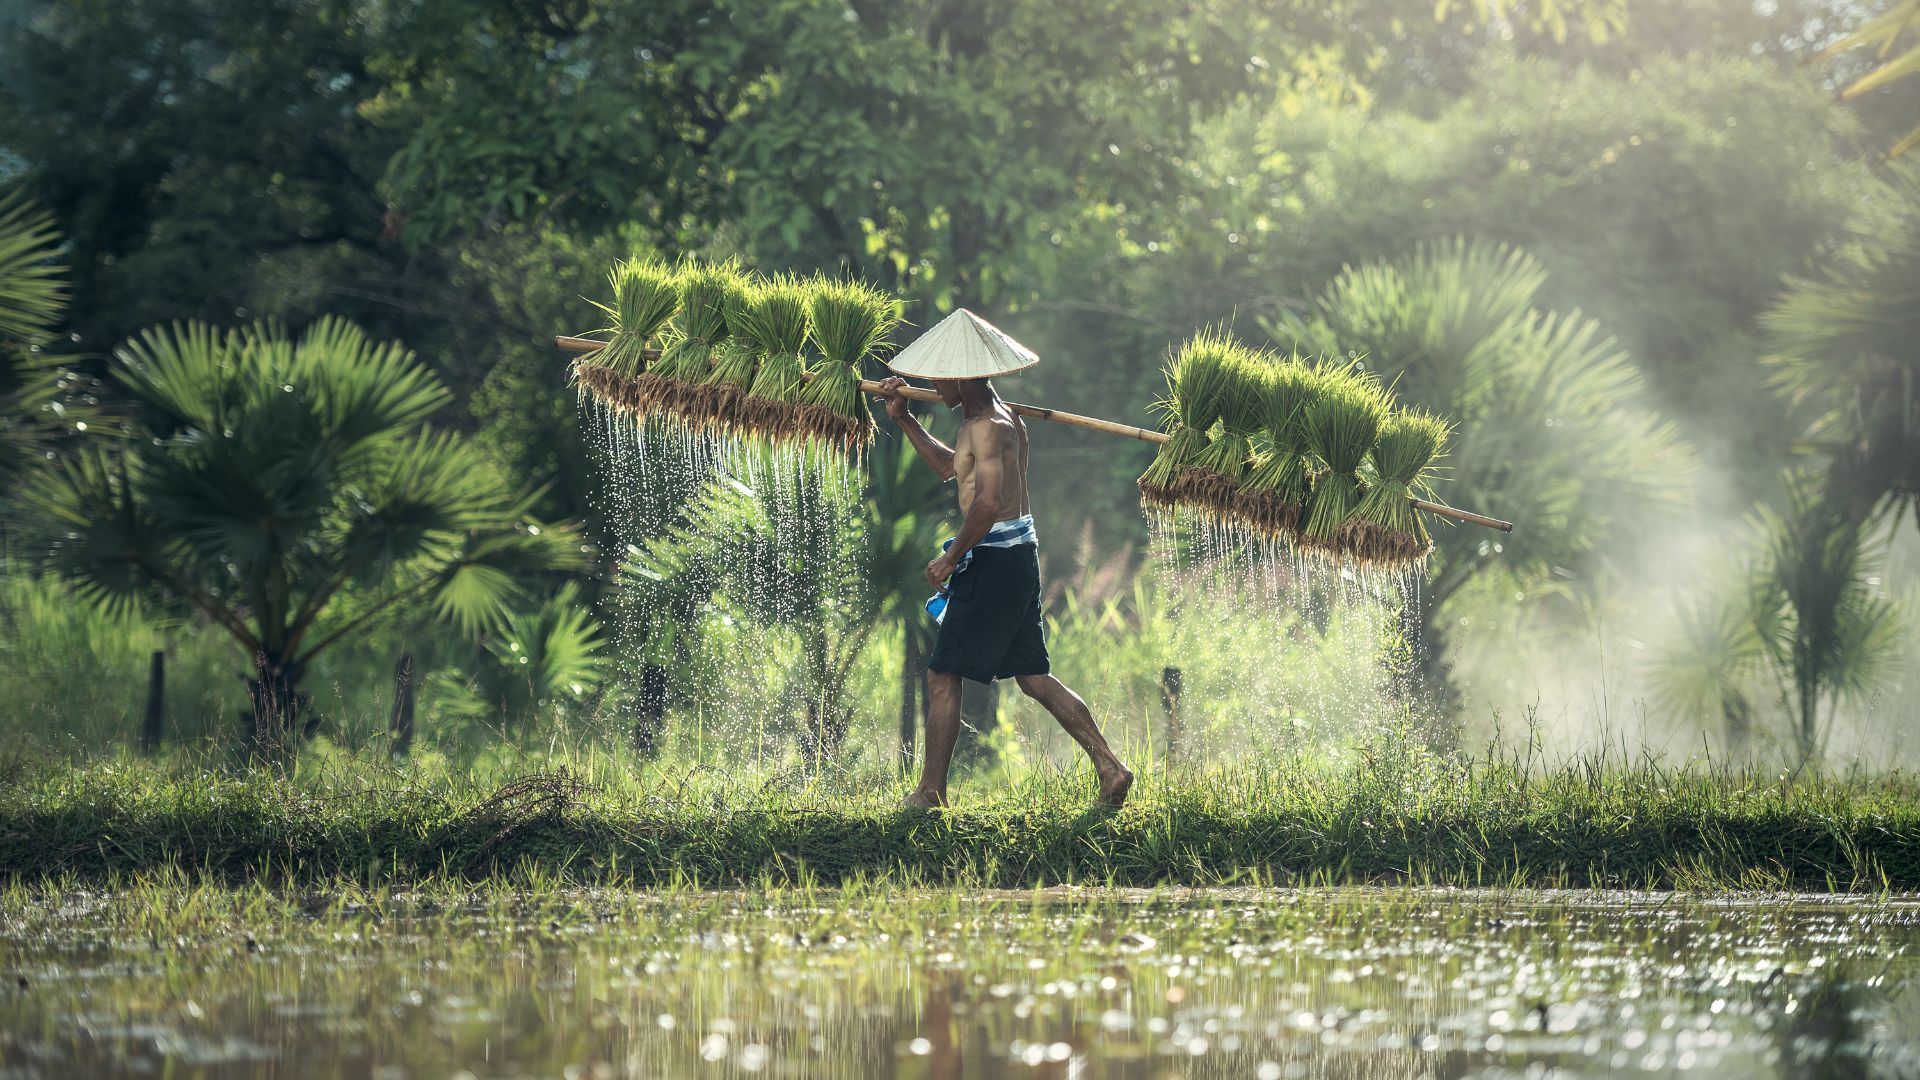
949 392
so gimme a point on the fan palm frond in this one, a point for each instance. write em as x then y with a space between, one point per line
33 288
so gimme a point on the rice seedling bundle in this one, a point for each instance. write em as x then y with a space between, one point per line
1342 423
850 321
1386 530
776 324
710 295
1279 481
1213 480
724 398
1199 377
645 296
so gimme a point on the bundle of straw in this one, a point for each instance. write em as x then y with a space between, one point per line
1385 529
645 296
1342 423
710 294
776 324
1199 376
851 321
1279 481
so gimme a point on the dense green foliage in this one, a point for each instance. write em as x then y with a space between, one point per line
1098 178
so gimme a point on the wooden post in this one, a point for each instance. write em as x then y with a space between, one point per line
650 710
979 717
400 729
1170 689
153 725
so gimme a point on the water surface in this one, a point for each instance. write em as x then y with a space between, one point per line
1062 983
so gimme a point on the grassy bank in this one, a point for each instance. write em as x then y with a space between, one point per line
1375 816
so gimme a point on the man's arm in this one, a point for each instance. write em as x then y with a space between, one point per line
937 455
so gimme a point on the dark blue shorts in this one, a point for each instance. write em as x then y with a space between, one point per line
994 628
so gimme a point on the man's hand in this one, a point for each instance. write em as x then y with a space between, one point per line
940 569
896 402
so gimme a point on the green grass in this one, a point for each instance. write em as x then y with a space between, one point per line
1388 814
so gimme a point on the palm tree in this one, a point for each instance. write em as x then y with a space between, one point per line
1711 659
537 661
1848 347
1819 619
796 553
289 491
787 555
33 299
1550 414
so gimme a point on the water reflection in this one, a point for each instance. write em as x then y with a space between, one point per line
1212 984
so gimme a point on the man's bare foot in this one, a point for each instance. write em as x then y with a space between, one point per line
927 800
1114 787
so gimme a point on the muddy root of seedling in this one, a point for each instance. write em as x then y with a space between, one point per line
828 427
638 395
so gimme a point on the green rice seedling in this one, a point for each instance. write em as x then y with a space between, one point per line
1212 482
709 294
723 393
1279 480
777 324
1386 530
1199 376
645 297
1342 423
851 320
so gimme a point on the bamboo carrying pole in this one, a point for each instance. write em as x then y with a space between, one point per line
1090 423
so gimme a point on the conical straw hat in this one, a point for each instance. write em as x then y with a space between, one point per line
963 346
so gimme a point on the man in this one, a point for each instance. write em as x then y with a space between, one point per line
989 575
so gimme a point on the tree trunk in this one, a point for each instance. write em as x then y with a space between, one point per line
1809 719
650 719
400 727
912 683
1171 687
827 720
1739 717
153 725
979 713
827 724
273 725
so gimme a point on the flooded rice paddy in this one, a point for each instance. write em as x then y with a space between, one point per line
1079 983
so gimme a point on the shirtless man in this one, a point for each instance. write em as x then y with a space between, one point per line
989 576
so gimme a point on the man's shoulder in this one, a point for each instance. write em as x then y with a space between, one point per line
987 426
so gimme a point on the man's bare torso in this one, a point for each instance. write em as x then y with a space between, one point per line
978 437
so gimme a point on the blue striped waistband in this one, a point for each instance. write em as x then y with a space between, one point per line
1010 533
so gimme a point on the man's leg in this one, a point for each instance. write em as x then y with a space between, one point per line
1073 714
943 730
